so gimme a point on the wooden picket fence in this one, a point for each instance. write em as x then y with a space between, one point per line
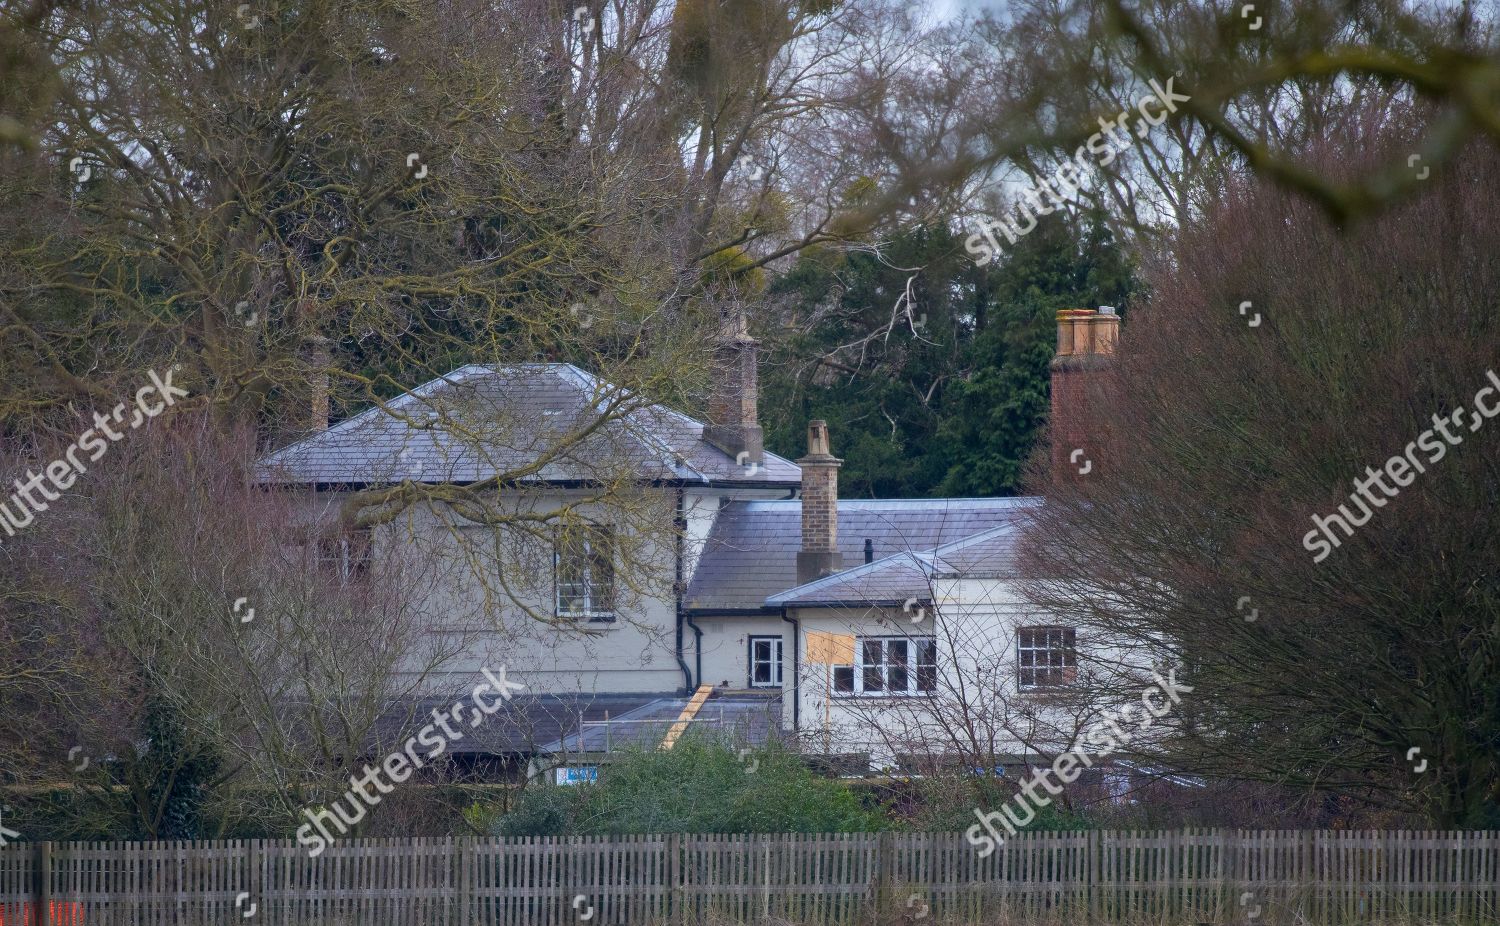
1181 876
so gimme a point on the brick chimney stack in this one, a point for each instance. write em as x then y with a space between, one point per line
319 360
733 416
1086 342
819 555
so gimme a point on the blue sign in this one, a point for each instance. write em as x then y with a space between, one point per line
576 774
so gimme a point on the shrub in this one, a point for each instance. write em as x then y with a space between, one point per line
697 787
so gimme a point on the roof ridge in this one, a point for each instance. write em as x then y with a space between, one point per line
926 558
583 380
985 534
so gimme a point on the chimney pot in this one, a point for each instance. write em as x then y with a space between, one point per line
819 555
1086 341
1072 332
733 408
817 438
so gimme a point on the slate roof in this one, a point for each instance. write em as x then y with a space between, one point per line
751 552
898 580
548 724
991 554
894 580
478 421
740 719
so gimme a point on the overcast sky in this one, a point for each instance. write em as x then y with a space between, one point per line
947 9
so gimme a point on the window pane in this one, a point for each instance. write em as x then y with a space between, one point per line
843 678
601 570
900 680
926 665
570 573
1045 656
344 555
763 662
570 597
585 572
570 587
872 661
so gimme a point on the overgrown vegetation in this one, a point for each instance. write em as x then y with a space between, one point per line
1368 669
315 205
700 786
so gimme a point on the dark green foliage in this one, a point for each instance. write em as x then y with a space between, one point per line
954 407
991 416
698 787
543 810
175 772
948 805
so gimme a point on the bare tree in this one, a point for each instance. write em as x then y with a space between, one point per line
238 650
1278 364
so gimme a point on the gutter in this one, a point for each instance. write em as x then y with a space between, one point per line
697 647
796 671
679 524
732 612
864 603
271 476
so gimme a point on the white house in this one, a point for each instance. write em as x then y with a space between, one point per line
771 605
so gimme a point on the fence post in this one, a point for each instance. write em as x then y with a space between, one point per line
883 852
676 889
468 904
1093 860
765 878
41 885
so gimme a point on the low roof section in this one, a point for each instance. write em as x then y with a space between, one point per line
750 556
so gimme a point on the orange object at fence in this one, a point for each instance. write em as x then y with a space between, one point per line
64 913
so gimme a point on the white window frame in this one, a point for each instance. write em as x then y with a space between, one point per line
346 555
778 656
913 667
1056 639
597 608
